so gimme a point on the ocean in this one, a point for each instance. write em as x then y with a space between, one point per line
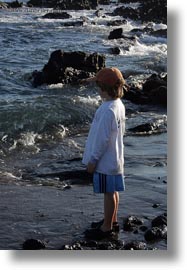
43 130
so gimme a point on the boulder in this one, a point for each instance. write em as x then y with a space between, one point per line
57 15
127 12
153 10
156 234
148 11
147 127
68 67
159 221
154 91
65 4
33 244
15 4
73 23
131 223
116 33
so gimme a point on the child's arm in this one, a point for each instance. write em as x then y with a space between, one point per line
102 138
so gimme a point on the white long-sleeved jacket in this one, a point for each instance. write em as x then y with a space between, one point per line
104 145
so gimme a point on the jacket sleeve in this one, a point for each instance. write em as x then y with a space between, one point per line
102 136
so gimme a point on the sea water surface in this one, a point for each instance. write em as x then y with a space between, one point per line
43 128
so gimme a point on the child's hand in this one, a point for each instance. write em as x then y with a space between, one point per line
91 167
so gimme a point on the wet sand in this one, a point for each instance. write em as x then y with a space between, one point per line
60 216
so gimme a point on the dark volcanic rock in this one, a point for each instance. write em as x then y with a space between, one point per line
57 15
159 221
68 67
115 50
73 23
156 234
15 4
65 4
154 91
154 10
33 244
149 11
116 33
148 127
130 223
127 12
135 245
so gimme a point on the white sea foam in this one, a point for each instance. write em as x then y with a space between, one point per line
90 101
26 140
142 49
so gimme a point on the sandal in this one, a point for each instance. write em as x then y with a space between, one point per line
115 225
98 234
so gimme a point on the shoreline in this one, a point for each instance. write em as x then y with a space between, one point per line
59 217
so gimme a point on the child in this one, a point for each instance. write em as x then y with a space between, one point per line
104 155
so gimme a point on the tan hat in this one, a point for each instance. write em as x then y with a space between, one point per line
109 76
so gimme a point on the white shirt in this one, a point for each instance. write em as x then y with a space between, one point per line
104 145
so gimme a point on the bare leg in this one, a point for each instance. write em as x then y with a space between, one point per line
109 210
116 195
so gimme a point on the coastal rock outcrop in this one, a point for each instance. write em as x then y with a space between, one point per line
33 244
68 67
57 15
65 4
154 91
149 10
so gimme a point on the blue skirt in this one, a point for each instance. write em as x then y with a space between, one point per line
103 183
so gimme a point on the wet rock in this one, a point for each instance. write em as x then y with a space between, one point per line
15 4
103 245
135 245
143 228
57 15
68 67
159 33
127 12
73 176
131 223
116 33
154 91
104 2
153 10
73 23
148 11
90 244
148 127
159 221
155 205
156 234
154 82
115 50
33 244
65 4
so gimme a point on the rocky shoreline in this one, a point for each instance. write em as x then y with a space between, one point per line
41 225
72 67
151 10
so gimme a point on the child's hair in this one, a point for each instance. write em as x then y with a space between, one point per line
115 91
111 81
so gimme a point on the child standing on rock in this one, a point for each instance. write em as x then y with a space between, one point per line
104 151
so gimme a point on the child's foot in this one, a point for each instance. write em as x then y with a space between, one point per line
115 225
98 234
